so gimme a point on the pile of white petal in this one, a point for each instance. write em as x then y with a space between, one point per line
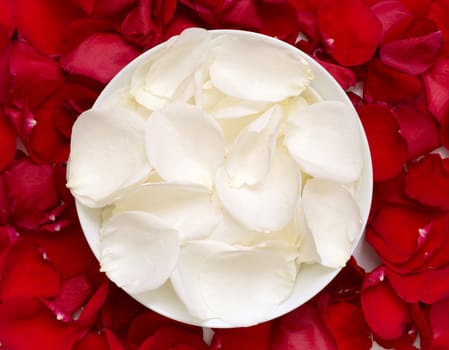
220 171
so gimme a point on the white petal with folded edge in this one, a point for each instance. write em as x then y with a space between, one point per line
138 251
324 138
190 209
184 144
333 218
107 155
250 156
247 69
157 81
245 286
267 206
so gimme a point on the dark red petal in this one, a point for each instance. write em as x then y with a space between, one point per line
7 141
444 133
255 337
439 12
4 202
427 181
283 24
173 337
385 312
389 85
419 129
92 341
26 273
32 191
388 148
413 55
28 324
353 38
439 317
67 249
417 7
108 8
241 14
348 326
436 83
302 328
100 56
113 341
389 12
42 22
427 286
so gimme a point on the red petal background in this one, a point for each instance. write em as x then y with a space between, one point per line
391 56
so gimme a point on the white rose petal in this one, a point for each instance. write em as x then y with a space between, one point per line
324 138
333 218
250 157
184 144
248 69
212 280
138 251
267 206
157 81
190 209
107 155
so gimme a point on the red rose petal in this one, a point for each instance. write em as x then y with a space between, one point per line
388 148
444 132
42 22
427 181
255 337
113 341
412 55
31 191
173 337
347 324
441 343
302 328
95 303
439 12
26 273
425 286
386 314
389 12
344 76
419 129
353 38
100 56
108 8
398 245
92 341
417 7
439 317
67 249
7 141
389 85
436 83
284 24
28 324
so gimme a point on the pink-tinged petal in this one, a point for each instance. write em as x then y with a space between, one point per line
425 286
92 340
389 12
344 76
344 39
255 337
28 324
436 83
440 343
348 326
173 337
388 147
419 129
100 56
412 55
397 246
385 312
427 181
389 85
31 190
7 141
439 12
27 274
42 22
302 328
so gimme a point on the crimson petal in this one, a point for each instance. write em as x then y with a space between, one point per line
7 141
255 337
436 83
353 38
389 12
438 12
92 341
173 337
388 147
385 312
100 56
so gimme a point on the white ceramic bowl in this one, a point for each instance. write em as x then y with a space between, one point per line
311 279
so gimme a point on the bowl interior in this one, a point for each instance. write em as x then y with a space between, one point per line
311 278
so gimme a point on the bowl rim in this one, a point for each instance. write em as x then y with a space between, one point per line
161 301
